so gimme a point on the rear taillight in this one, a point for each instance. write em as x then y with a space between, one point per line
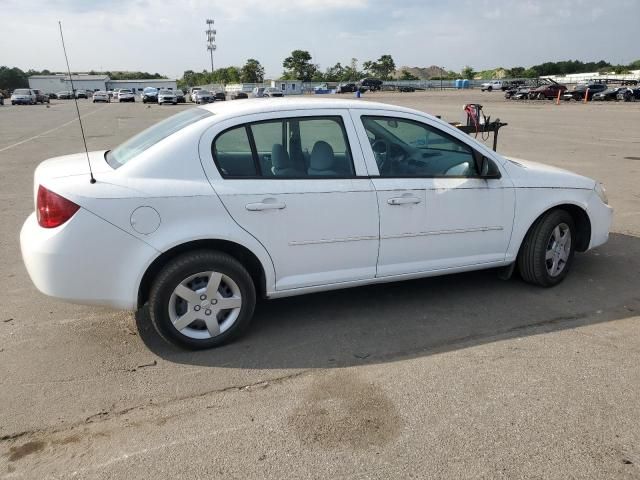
52 209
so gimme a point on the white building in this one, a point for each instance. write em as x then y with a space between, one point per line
59 83
289 87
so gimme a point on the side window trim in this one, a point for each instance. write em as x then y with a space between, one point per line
254 150
477 156
338 118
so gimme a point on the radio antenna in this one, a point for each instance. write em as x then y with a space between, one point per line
75 99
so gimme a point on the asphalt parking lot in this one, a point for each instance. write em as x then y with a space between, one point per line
464 376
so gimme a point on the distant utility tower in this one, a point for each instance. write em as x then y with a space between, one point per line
211 40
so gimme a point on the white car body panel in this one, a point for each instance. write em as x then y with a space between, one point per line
328 235
455 222
337 242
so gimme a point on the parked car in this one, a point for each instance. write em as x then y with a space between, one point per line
192 93
588 90
23 96
346 88
547 91
237 222
41 97
608 94
180 96
166 96
126 95
64 95
150 95
101 96
81 94
203 96
1 99
219 96
238 95
53 96
491 85
520 93
629 95
272 92
258 92
372 84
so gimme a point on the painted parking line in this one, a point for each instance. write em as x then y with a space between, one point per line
42 134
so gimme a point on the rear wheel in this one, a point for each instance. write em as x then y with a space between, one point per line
548 249
202 299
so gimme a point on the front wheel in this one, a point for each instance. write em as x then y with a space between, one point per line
548 249
202 299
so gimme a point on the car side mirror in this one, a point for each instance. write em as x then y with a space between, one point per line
488 169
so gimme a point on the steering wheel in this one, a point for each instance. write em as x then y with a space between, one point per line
381 149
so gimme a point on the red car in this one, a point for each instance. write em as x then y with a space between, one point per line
544 92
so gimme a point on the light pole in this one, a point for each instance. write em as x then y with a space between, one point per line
211 41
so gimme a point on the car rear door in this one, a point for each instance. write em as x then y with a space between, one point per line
436 213
297 182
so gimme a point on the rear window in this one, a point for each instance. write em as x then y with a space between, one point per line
152 135
22 91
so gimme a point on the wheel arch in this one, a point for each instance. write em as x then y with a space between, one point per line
580 219
241 253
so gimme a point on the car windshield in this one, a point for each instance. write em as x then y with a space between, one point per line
165 92
152 135
125 91
202 92
22 91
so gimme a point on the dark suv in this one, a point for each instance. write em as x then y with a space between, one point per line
372 84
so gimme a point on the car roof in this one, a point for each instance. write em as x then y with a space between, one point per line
261 105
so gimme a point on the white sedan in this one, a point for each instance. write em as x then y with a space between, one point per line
217 205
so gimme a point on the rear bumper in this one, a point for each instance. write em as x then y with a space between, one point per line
86 260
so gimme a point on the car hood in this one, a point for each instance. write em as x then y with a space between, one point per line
527 174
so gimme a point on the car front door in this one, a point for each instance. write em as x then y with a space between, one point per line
298 183
436 211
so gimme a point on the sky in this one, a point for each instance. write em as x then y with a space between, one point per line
168 37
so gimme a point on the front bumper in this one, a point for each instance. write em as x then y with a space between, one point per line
86 260
601 216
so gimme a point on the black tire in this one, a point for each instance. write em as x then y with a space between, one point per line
189 264
531 259
489 89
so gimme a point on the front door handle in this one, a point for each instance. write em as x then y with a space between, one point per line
410 199
267 204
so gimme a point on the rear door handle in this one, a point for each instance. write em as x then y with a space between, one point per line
403 200
267 204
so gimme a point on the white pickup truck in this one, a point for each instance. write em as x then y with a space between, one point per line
492 85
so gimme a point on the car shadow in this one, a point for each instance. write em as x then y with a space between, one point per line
387 322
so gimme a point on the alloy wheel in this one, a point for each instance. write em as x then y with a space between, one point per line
205 305
558 249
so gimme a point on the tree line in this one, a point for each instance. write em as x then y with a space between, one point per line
300 66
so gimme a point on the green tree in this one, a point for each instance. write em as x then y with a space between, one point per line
335 73
298 66
252 72
383 68
12 78
468 72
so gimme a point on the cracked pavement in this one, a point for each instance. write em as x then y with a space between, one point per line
464 376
